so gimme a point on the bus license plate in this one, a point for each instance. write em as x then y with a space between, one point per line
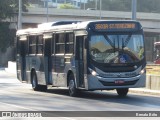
119 81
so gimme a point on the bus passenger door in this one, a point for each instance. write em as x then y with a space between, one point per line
59 61
47 58
80 61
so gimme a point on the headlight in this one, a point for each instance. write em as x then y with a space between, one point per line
142 71
94 73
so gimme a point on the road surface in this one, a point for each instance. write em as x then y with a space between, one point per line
17 96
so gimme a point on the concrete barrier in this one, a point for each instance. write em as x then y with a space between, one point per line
148 81
155 82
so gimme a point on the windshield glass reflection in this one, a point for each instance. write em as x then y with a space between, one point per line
116 48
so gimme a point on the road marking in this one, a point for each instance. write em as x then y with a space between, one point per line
67 118
17 106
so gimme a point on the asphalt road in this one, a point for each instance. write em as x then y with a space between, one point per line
17 96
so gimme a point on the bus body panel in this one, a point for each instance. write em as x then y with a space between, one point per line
95 84
21 68
102 83
58 74
38 64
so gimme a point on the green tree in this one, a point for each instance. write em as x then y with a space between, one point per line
5 33
66 6
7 8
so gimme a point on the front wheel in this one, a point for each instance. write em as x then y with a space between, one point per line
122 92
72 87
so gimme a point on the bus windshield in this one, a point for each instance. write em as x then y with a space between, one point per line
115 48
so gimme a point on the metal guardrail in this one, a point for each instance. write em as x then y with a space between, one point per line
95 13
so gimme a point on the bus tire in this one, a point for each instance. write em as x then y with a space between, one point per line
34 82
72 86
35 85
122 92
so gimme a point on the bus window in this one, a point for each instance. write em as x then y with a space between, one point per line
32 44
157 53
69 43
60 44
22 45
47 43
40 44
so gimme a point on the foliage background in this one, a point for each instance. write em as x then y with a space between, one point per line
7 8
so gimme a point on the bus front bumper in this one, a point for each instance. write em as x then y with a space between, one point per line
100 83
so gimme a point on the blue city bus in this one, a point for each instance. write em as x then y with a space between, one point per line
91 55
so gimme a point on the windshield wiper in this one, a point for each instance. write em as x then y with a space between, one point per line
125 42
122 44
110 42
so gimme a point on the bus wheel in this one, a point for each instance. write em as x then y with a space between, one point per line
34 82
122 92
72 87
35 85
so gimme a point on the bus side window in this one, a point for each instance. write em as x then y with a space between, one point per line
32 44
40 44
157 53
22 45
69 43
47 44
79 47
60 44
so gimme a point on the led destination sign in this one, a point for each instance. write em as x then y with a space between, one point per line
115 26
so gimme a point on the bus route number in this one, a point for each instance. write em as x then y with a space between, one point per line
115 26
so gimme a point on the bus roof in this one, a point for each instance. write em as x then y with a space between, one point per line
50 24
103 25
